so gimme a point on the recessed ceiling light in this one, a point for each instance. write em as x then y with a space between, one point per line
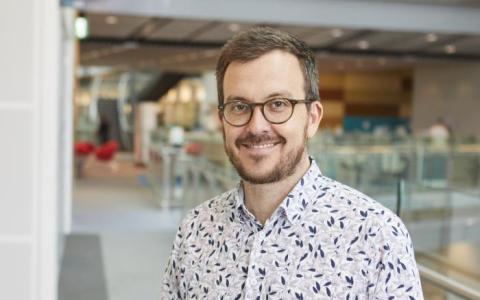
234 27
431 37
363 44
130 45
450 49
111 20
336 32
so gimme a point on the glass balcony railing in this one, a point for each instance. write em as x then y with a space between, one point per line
444 225
436 192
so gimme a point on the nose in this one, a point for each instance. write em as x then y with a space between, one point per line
258 123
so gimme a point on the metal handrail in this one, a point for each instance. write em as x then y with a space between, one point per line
448 284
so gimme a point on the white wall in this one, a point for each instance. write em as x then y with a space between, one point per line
29 107
452 92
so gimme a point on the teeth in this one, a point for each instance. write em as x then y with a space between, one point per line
261 146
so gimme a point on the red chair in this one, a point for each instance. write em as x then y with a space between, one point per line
107 151
83 148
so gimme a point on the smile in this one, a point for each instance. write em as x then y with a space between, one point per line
260 146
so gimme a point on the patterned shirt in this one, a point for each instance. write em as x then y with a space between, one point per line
324 241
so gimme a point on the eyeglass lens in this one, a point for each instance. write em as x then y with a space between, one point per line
275 111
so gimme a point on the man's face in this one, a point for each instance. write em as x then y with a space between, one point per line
260 151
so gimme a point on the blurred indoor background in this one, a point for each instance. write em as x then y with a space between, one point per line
109 131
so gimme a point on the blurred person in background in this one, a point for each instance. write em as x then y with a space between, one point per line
439 133
285 231
103 131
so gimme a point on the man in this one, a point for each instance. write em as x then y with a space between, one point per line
286 231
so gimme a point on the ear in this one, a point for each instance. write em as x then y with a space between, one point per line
220 117
315 115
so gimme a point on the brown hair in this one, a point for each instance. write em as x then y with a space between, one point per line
253 43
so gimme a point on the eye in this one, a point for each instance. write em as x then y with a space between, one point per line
238 107
278 104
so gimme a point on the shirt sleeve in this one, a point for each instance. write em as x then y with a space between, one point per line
397 274
171 286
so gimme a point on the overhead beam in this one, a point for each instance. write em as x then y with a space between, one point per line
318 50
159 86
355 14
348 38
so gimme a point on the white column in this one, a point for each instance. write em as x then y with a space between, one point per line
67 84
29 148
145 122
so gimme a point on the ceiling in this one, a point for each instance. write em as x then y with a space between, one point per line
189 45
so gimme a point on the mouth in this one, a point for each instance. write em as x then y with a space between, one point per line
256 146
260 146
258 150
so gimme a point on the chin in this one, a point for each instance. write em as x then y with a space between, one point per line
265 178
276 171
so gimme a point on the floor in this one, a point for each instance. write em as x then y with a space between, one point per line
120 241
82 274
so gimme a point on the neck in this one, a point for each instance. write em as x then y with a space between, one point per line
262 199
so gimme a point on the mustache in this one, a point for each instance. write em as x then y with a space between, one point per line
251 139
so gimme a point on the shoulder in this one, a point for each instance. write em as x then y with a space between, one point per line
360 212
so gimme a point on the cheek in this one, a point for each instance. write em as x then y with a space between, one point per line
294 133
296 138
230 136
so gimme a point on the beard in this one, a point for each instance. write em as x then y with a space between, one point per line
283 169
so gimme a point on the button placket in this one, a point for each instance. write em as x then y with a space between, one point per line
253 275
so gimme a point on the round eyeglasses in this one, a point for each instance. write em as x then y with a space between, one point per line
276 111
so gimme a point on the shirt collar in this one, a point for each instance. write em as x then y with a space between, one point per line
241 211
293 206
300 197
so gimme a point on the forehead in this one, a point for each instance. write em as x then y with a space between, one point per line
272 73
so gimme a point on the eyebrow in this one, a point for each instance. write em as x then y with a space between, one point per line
235 98
283 94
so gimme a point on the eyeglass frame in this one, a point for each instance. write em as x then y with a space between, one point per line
252 106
